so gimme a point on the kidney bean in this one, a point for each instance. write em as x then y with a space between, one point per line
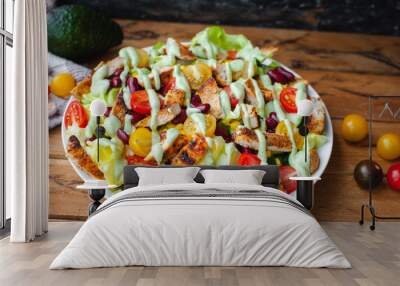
204 108
115 82
195 100
136 117
108 111
181 117
133 84
123 136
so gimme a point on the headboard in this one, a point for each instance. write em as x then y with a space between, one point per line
271 177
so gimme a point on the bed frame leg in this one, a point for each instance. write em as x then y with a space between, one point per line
96 195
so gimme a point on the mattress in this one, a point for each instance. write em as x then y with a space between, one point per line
201 225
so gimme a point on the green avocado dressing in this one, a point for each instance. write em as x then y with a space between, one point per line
237 88
128 124
111 125
130 54
100 85
226 106
172 48
200 121
260 99
182 83
262 146
156 78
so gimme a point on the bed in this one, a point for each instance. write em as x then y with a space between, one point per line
197 224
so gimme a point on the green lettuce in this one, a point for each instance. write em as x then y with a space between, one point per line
316 140
221 39
111 162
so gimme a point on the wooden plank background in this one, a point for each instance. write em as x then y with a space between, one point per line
343 68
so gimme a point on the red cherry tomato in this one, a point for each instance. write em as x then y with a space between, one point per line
140 102
288 99
137 160
285 172
76 113
393 177
233 100
231 55
248 159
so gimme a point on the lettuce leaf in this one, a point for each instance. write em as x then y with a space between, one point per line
221 39
316 140
111 162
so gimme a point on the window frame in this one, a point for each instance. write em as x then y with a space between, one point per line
6 39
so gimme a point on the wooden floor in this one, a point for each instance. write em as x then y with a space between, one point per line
375 257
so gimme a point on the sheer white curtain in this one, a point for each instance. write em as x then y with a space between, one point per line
27 124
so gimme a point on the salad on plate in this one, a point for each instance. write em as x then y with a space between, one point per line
216 100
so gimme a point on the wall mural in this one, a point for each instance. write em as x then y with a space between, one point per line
215 100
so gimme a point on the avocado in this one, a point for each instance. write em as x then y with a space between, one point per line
78 33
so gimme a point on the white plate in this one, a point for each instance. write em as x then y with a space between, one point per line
324 152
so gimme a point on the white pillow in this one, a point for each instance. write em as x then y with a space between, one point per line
247 177
166 176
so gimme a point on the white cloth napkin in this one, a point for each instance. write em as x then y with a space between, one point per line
57 104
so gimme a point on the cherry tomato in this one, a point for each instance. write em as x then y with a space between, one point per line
137 160
285 172
234 101
288 99
197 74
388 146
231 55
393 177
140 102
354 128
76 113
248 159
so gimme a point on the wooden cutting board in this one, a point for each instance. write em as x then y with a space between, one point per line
343 68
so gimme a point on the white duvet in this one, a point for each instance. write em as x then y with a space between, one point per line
190 231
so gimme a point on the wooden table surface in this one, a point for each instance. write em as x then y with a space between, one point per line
344 69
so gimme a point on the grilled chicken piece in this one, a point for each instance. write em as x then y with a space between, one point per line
79 154
165 75
209 93
164 116
186 54
174 96
247 138
314 158
252 115
114 65
172 151
278 143
83 87
119 109
220 75
251 93
192 152
316 122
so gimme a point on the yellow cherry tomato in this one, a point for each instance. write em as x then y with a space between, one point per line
282 130
388 146
62 84
197 74
143 58
234 124
354 128
190 127
140 141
